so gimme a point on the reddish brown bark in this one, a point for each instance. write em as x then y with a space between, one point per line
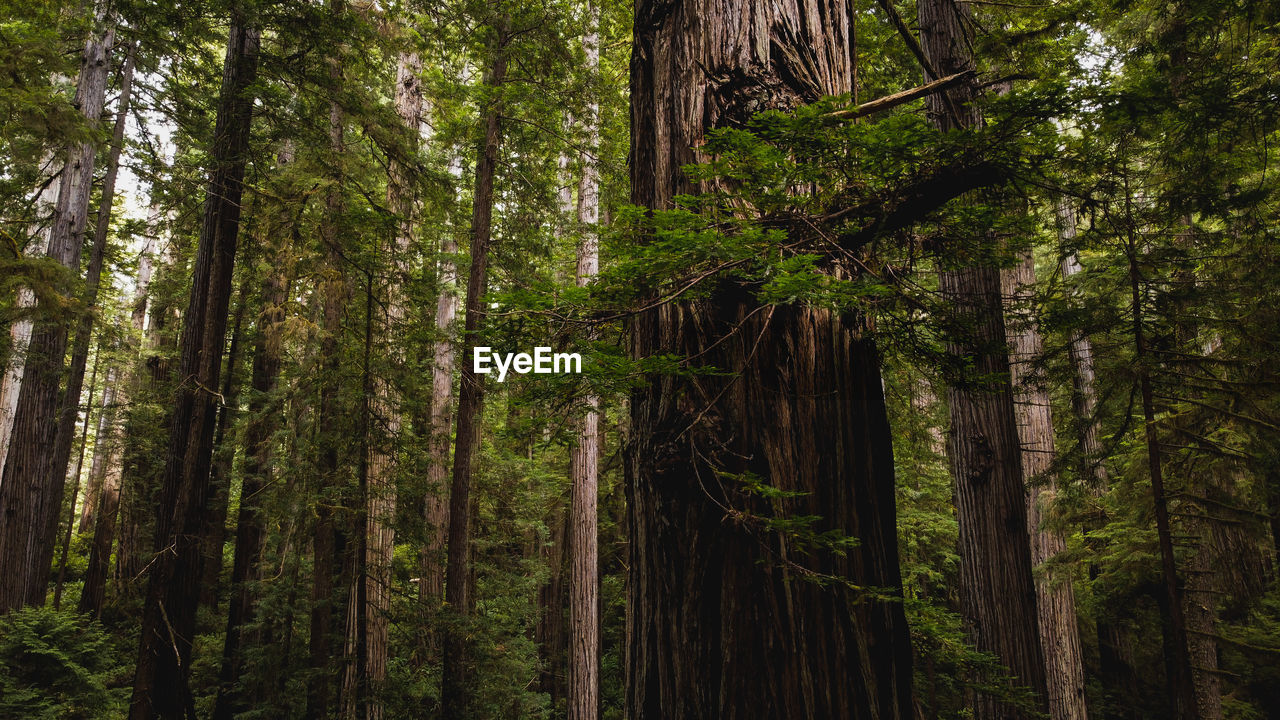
454 690
30 494
174 578
721 622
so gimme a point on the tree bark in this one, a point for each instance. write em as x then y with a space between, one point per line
75 484
106 471
30 497
717 600
1115 643
1055 596
215 528
456 660
173 586
65 433
998 589
262 421
334 574
1179 679
584 571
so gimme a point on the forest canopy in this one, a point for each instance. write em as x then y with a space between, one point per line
665 359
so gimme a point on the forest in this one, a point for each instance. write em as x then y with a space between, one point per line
644 359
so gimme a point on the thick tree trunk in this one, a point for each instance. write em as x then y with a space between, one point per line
84 330
1200 603
334 573
722 621
381 509
30 496
16 363
432 561
584 598
1055 596
456 660
998 589
263 418
173 587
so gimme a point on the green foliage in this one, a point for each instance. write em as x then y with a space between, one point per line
55 664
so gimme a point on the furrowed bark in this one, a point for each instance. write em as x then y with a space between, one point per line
30 497
263 419
334 574
1055 596
716 600
456 661
84 331
584 468
173 585
998 588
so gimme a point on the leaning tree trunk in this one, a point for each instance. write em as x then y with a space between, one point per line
455 659
720 622
1055 596
30 497
173 587
584 598
998 589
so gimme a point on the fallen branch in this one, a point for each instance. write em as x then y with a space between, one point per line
905 96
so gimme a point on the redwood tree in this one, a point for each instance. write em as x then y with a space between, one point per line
173 584
998 590
719 625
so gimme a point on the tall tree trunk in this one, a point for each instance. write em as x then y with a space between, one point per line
456 660
998 589
75 484
263 418
431 563
1115 644
30 496
1200 603
1055 596
106 471
333 575
550 631
215 528
584 598
84 331
715 602
173 587
1178 675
